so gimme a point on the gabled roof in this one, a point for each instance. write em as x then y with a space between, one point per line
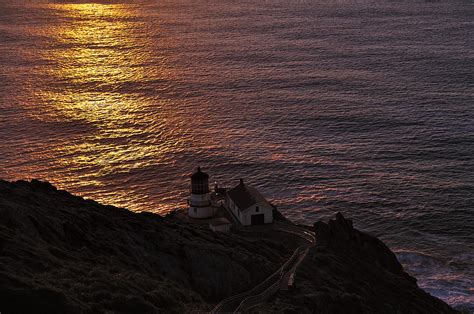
245 196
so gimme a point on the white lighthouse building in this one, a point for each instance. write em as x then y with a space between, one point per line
248 205
200 200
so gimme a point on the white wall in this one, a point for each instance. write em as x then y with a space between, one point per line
200 212
263 208
199 200
200 206
245 215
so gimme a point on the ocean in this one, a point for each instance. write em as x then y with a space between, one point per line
359 107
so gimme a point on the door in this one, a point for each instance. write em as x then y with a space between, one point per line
258 219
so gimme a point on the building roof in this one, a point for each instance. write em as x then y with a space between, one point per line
219 222
245 196
199 174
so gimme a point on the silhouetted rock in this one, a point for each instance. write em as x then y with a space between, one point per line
60 253
340 235
349 271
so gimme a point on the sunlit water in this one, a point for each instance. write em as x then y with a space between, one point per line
363 108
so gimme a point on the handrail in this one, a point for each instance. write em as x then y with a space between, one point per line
250 300
266 291
256 299
232 214
263 296
280 273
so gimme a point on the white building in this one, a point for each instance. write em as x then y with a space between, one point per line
248 205
220 225
200 201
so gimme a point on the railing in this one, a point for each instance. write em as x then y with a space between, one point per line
254 300
219 307
253 297
199 203
231 213
259 298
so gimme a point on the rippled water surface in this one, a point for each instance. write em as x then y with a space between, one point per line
364 108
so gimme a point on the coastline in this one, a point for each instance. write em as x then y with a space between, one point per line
62 253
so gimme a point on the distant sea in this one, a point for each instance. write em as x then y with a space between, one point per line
364 108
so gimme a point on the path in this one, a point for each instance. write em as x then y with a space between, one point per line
263 291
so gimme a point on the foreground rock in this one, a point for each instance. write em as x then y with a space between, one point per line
62 254
349 271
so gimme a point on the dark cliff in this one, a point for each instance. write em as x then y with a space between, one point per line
349 271
62 254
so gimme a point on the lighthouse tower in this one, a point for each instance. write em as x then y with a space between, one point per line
199 201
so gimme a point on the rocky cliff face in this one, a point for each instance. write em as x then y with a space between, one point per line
349 271
62 254
340 235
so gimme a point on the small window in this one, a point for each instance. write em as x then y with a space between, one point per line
256 209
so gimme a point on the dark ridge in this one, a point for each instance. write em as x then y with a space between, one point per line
60 253
349 271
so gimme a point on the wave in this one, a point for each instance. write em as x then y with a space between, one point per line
442 278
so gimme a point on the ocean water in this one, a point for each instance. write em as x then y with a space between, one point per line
362 107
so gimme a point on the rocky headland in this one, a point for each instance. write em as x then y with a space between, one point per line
349 271
60 253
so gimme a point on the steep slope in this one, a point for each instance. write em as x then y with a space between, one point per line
349 271
60 253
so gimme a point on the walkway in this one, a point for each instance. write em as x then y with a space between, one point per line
263 291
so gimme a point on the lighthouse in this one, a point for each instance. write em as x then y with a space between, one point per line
200 201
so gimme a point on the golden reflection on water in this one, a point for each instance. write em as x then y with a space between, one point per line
98 57
88 59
